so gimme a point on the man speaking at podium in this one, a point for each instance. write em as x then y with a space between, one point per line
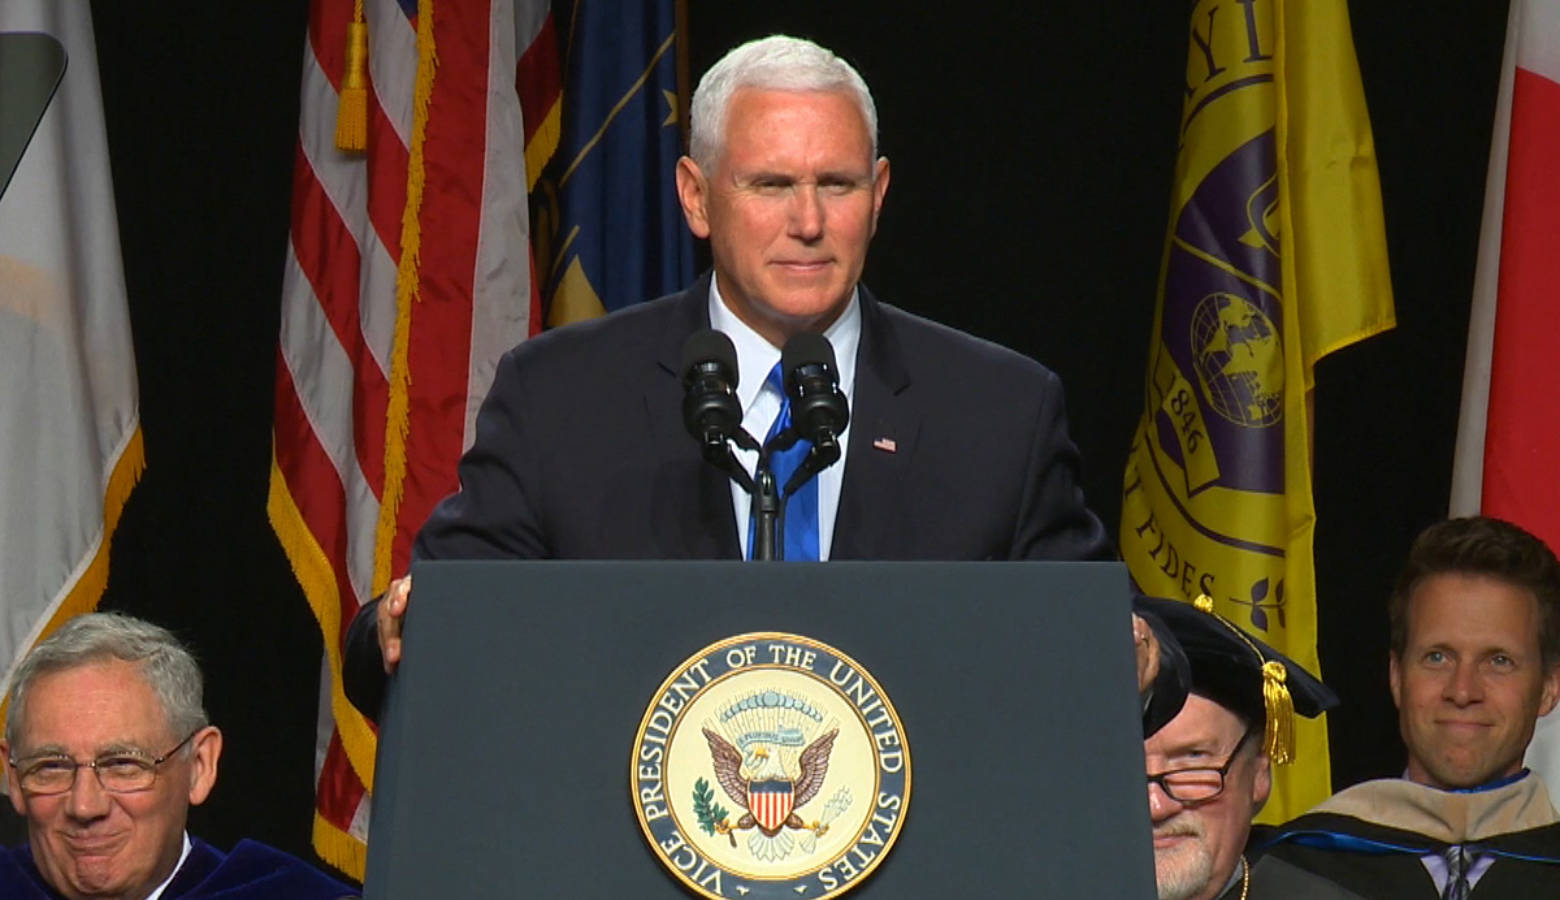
954 448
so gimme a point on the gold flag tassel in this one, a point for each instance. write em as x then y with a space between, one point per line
352 107
1280 708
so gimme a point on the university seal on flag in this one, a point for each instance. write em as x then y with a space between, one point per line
770 765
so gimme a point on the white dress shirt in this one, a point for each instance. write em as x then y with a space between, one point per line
183 855
755 357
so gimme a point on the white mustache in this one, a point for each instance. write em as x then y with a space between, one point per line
1179 828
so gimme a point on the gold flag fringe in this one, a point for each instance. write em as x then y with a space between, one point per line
407 290
84 595
317 577
340 849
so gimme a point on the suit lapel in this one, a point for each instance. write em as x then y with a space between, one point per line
690 499
883 432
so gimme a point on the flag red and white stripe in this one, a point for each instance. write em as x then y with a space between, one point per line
408 274
1508 442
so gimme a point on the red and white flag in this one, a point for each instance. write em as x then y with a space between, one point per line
1508 440
408 274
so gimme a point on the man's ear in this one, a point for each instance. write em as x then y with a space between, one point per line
879 189
207 744
693 191
1261 781
11 787
1395 679
1551 691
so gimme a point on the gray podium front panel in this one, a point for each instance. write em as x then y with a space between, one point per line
504 756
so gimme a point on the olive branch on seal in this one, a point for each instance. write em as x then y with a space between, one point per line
710 816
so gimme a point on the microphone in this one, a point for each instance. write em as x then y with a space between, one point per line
819 411
711 411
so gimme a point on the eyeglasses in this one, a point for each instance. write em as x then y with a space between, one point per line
121 773
1197 785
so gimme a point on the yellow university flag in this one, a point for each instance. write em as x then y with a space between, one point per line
1275 257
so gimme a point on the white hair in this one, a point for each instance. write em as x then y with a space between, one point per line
166 665
775 63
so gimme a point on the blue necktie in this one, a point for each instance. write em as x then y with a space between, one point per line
801 511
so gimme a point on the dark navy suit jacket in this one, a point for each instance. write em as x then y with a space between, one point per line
581 453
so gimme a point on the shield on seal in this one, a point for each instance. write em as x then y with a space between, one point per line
770 802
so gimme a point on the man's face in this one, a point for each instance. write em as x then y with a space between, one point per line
789 209
1198 845
89 842
1471 682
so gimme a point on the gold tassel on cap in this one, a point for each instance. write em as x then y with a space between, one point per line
352 106
1279 743
1280 709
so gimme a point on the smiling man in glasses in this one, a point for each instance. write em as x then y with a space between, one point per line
1209 768
106 747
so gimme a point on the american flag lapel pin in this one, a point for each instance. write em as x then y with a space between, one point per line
886 444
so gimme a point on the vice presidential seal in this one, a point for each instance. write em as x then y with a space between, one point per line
770 765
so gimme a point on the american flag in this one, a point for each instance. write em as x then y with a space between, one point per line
407 275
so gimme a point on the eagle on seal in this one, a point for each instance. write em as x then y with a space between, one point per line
769 793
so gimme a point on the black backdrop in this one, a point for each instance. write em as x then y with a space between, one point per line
1032 148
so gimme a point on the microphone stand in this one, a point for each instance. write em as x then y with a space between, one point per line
820 457
766 506
717 452
766 509
768 499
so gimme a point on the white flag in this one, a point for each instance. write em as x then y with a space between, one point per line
70 440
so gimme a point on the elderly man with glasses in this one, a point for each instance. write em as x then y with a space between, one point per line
106 747
1209 768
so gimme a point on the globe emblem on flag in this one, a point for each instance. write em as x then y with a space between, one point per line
1239 360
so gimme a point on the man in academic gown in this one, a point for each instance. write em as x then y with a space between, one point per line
106 747
1209 768
1475 660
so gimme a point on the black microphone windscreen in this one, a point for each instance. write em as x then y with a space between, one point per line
710 345
807 348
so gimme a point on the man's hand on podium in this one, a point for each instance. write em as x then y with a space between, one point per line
392 609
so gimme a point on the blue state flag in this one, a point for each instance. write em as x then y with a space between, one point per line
608 199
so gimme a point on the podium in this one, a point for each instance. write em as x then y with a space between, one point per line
505 749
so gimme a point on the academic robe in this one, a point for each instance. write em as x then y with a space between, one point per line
1367 841
252 871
